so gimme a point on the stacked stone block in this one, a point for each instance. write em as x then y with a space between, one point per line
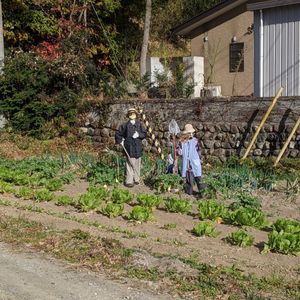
224 126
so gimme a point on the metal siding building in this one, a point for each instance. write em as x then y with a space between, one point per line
277 50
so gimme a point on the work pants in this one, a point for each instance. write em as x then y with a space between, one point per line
189 183
133 169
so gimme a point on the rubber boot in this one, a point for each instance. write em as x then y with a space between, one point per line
189 183
200 186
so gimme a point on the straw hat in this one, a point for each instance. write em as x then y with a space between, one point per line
131 110
188 128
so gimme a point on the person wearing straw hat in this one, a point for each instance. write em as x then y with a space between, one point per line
188 148
130 135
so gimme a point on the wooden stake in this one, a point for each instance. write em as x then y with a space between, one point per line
262 122
287 142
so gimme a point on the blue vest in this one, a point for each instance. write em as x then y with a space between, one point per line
190 157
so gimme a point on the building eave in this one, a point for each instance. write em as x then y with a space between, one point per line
271 4
196 25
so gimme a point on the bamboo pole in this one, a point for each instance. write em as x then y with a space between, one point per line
262 122
287 142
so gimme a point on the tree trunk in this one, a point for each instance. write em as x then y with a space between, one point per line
1 40
145 39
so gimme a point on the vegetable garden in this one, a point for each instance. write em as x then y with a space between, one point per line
248 215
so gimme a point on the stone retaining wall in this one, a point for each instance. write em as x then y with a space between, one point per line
224 125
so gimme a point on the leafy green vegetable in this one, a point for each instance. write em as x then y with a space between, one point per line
240 238
113 210
148 200
169 226
247 216
99 192
54 184
67 178
6 187
211 210
43 195
21 179
243 199
283 242
167 182
140 214
25 193
205 228
64 200
88 201
176 205
287 225
121 196
103 173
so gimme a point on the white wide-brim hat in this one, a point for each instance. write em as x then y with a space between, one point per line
188 128
131 110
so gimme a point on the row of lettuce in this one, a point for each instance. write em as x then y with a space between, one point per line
284 236
38 178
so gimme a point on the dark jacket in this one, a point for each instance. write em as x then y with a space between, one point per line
133 146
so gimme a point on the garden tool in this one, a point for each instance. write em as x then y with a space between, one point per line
174 130
122 144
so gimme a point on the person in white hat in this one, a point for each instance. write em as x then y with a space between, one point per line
188 148
130 136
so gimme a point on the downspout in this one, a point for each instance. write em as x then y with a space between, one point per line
1 41
261 56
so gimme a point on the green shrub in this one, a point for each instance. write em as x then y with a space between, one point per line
148 200
177 205
211 210
240 238
112 210
43 195
205 228
140 214
121 196
33 99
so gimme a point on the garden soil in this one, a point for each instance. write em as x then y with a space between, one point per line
152 238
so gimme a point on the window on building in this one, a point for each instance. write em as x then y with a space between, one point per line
236 54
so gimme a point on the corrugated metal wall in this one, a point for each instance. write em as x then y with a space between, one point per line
279 61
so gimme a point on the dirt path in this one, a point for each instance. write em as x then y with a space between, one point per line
30 276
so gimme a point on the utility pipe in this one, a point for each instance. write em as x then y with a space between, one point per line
261 54
287 142
262 122
1 40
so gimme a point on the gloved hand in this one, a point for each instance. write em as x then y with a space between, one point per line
135 135
122 142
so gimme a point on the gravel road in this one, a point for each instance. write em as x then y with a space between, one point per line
34 277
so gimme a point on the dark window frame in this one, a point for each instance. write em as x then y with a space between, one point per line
236 57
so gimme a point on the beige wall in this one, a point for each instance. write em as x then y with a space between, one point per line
216 55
